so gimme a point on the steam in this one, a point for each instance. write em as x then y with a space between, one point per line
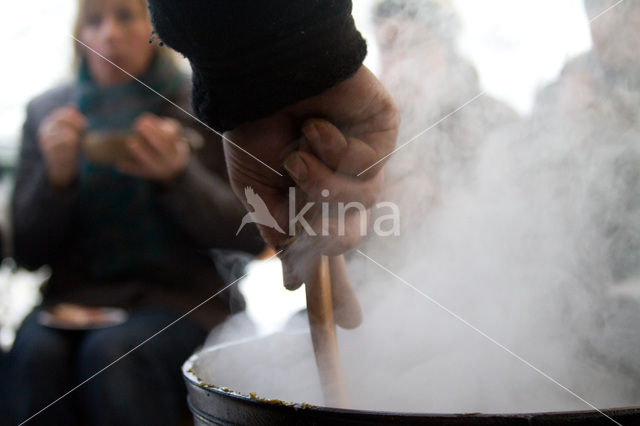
529 230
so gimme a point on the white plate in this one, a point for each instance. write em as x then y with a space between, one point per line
100 318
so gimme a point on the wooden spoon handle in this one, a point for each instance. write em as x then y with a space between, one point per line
323 334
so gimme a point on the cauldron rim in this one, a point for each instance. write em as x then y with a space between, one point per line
192 379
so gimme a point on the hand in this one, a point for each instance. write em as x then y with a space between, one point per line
59 141
357 126
159 152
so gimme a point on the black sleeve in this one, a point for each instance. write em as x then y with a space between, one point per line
253 58
41 215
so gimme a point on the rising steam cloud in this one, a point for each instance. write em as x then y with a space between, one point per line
529 230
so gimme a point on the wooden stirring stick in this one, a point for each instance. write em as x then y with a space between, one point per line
323 334
348 313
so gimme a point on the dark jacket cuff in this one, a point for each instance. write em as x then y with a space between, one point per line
251 59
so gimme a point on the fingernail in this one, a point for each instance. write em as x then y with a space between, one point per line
296 167
311 132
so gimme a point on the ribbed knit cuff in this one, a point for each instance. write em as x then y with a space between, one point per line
253 58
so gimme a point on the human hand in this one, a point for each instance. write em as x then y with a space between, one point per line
356 126
158 151
59 141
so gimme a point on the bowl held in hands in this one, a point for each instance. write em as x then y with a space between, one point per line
106 148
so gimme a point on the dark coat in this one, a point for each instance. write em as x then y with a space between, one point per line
200 203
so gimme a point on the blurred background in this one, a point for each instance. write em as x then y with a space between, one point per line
516 46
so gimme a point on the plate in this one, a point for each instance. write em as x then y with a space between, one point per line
67 316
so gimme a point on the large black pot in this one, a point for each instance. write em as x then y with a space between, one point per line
212 404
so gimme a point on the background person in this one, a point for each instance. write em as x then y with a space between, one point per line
133 233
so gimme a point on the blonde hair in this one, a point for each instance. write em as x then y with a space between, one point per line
82 16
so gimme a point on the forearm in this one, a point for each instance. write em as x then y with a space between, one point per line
261 72
260 56
41 218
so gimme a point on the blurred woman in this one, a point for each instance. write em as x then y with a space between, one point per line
122 195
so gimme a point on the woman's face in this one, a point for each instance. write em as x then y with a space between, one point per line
119 30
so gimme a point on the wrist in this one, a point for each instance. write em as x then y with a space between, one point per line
61 179
176 174
180 167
